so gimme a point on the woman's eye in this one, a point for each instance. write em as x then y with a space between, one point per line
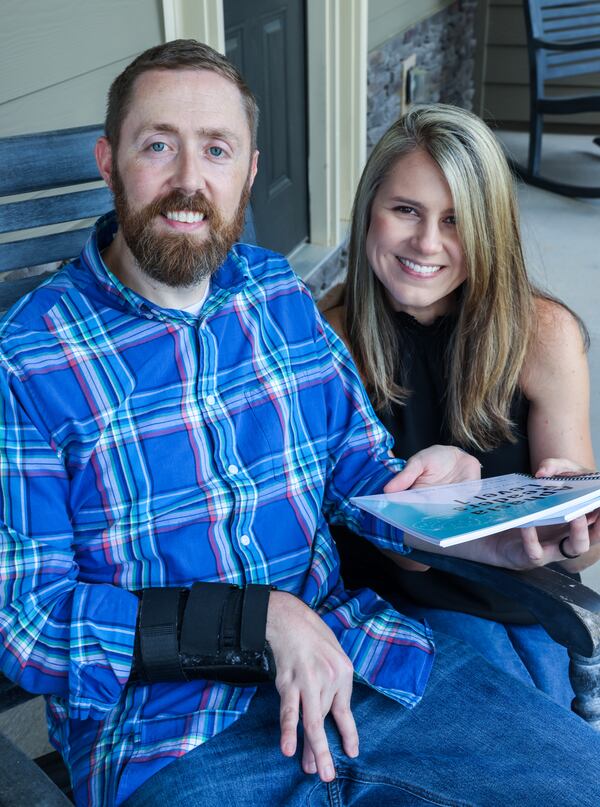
451 220
158 147
216 151
404 209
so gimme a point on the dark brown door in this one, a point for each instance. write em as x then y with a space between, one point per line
265 39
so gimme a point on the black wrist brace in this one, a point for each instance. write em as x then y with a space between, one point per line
214 631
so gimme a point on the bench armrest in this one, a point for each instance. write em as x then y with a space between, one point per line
567 609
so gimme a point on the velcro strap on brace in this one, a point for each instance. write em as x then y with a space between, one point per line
158 626
203 618
254 617
215 631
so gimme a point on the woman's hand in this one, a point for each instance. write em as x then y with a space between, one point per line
525 547
436 465
560 466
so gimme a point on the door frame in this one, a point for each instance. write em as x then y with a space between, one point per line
336 32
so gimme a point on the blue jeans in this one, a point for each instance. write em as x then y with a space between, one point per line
525 651
479 738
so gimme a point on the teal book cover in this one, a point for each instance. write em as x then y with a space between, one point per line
450 514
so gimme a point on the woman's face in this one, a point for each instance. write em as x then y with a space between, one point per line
412 242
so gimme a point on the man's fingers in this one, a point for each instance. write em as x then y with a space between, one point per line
316 738
312 669
309 763
288 720
344 719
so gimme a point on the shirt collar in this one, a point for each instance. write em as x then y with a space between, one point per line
233 274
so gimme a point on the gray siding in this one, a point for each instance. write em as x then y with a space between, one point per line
387 18
57 58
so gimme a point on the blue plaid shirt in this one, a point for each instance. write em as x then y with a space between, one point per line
144 446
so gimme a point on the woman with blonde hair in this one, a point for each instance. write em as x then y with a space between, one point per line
456 345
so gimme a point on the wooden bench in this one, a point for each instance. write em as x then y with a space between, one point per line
60 164
563 40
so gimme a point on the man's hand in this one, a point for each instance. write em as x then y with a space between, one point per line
314 675
436 465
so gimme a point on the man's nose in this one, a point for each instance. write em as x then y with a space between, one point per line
188 176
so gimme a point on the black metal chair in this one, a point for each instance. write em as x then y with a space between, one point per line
563 39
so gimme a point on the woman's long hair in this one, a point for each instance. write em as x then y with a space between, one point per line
495 304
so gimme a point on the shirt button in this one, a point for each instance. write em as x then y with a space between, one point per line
210 399
233 469
245 540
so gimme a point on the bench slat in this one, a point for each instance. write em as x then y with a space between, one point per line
591 32
573 70
24 160
29 252
31 213
544 5
565 18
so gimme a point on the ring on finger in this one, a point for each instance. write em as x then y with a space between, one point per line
563 551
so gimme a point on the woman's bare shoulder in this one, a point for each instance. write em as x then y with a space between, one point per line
556 329
557 347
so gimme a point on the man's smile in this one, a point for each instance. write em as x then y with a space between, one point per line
185 216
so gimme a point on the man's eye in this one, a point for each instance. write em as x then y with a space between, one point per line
158 147
215 151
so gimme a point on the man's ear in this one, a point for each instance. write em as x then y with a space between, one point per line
253 167
104 159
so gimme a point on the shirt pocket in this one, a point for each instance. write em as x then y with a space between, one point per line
260 435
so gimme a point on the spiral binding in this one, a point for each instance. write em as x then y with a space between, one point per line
565 477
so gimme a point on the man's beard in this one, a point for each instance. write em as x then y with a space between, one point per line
177 259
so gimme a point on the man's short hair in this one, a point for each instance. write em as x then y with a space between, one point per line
178 54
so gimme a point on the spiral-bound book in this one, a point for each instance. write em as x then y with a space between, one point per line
451 514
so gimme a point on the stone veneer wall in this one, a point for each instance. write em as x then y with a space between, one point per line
445 47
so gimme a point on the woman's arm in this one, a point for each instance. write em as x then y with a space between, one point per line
555 380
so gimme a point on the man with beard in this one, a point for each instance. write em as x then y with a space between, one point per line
178 425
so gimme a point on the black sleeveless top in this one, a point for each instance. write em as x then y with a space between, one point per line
421 422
